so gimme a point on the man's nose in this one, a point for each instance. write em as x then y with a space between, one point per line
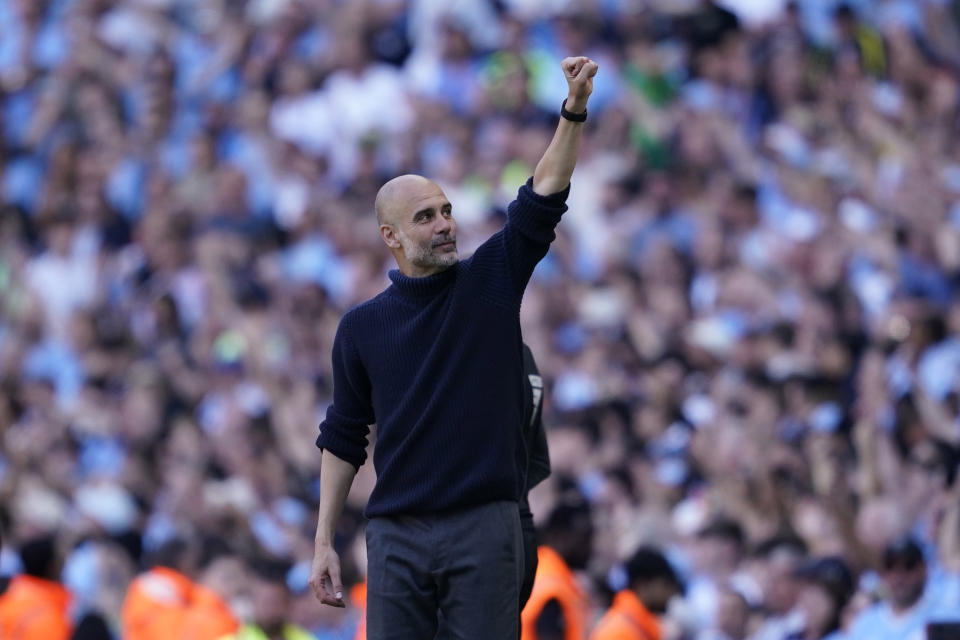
443 226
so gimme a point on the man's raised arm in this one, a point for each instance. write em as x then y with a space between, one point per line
553 172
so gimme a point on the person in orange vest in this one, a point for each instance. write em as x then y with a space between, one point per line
222 576
272 601
558 608
157 601
166 603
652 582
34 605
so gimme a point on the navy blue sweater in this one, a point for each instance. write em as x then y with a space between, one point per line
437 363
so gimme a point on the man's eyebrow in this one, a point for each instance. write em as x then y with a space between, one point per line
425 210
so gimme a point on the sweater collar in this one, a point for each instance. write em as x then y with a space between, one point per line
425 286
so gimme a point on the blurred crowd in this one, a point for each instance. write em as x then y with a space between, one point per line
748 324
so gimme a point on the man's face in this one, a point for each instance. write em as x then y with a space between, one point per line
817 606
424 231
781 588
733 613
271 604
656 594
905 581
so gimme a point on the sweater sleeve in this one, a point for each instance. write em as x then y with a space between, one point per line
344 431
536 216
507 259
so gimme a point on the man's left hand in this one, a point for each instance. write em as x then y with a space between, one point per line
579 72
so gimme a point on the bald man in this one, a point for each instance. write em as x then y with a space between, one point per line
436 361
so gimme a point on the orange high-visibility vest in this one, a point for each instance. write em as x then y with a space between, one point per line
555 581
207 617
627 619
358 594
34 609
156 605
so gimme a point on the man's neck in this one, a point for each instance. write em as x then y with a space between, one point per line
417 272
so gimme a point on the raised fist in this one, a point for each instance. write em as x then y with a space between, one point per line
579 72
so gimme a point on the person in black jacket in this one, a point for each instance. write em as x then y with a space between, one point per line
436 361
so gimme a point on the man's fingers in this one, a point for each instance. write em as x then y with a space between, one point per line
586 69
571 66
316 583
590 69
325 577
579 68
333 572
332 601
332 597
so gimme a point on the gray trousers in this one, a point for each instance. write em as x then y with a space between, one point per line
466 565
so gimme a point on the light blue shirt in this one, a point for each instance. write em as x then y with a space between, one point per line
938 604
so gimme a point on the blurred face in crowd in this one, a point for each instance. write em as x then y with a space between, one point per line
718 555
817 605
904 579
733 613
656 594
271 605
576 542
780 587
226 576
416 222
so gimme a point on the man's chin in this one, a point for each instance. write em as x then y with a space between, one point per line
448 259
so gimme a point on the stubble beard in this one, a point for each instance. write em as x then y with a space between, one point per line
428 258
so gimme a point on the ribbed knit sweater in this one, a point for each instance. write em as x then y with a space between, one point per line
437 363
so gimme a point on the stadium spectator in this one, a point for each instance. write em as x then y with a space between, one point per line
157 601
827 586
209 614
718 550
636 610
559 605
911 599
779 558
271 599
732 620
35 604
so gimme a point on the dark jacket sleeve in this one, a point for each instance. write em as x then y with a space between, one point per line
535 216
507 259
344 431
538 464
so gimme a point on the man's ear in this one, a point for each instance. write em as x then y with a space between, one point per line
389 235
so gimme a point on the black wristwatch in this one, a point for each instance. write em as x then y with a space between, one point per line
569 115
